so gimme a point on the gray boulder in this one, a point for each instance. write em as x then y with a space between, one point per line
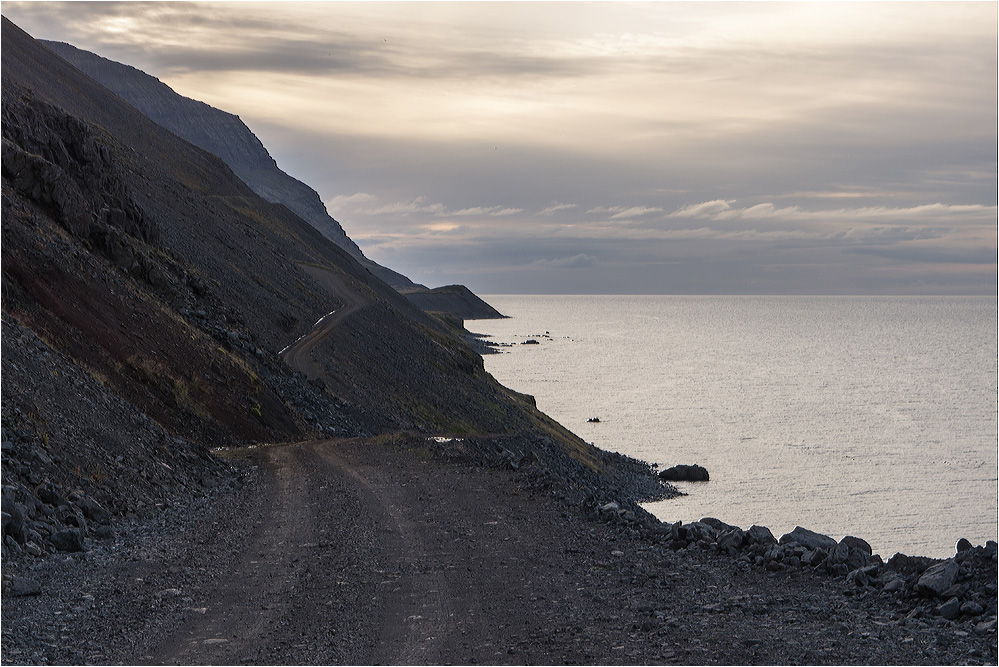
717 524
731 539
939 577
67 539
972 608
698 531
857 544
986 627
23 586
15 523
810 539
94 511
950 609
684 473
676 531
760 535
895 584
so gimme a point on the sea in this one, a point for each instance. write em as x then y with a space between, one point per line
867 416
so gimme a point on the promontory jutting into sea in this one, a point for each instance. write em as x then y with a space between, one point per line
871 416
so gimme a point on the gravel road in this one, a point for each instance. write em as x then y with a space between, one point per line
298 354
356 551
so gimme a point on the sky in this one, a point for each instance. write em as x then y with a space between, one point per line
614 148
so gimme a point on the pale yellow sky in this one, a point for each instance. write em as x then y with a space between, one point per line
501 140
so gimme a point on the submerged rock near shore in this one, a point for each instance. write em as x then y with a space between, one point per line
685 473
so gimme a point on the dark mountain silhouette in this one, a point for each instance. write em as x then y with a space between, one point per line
456 300
225 135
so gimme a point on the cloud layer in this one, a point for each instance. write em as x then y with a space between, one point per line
609 147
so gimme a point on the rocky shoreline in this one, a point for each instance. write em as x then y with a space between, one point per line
934 610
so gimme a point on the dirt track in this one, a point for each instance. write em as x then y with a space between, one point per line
298 355
362 552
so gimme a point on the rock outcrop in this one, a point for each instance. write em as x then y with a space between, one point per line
455 300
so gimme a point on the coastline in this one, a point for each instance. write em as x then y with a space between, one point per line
557 570
864 445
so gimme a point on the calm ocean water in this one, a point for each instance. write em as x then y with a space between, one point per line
870 416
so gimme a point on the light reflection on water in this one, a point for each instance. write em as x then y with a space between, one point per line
872 416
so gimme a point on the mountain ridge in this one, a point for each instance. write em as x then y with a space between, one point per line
224 134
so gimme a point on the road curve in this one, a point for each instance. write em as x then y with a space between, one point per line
298 354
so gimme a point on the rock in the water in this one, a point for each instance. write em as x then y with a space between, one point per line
22 586
67 539
950 609
810 539
939 577
684 473
963 545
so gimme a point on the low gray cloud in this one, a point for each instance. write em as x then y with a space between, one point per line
575 262
981 256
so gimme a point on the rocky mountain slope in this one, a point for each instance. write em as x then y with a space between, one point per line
225 135
147 294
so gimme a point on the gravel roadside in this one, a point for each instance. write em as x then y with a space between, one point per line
358 552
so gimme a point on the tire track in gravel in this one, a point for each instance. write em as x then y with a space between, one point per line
335 569
415 612
291 595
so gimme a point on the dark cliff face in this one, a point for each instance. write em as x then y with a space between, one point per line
224 135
